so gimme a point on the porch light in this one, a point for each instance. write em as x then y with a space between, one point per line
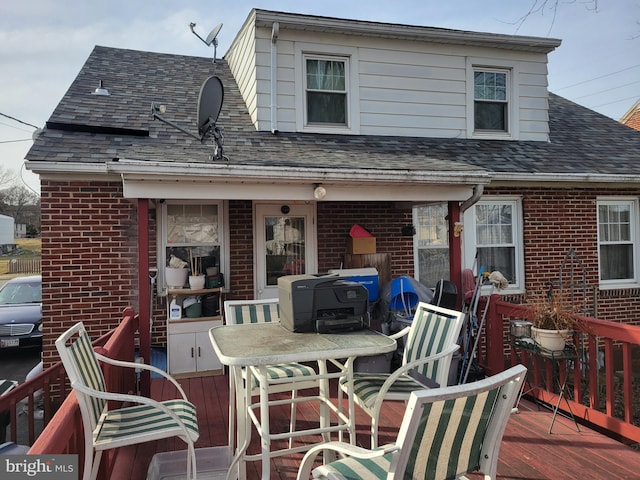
319 191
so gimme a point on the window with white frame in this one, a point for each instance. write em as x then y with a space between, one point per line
326 81
431 244
192 233
493 231
491 100
617 241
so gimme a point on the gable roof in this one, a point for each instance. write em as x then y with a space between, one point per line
88 131
632 117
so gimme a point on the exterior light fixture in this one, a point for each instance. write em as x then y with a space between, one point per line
101 90
319 191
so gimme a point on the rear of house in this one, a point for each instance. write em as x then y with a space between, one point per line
451 132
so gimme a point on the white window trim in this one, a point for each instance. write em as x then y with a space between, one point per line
334 52
513 118
416 247
635 238
469 239
223 233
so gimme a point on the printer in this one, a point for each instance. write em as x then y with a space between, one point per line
322 303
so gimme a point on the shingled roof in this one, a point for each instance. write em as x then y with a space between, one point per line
87 128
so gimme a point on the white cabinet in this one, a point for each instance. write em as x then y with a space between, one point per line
189 349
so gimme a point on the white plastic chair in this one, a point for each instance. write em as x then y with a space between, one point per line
144 421
426 361
262 311
445 433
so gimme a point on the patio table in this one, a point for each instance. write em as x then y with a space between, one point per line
254 346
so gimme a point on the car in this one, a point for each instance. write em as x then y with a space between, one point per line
21 313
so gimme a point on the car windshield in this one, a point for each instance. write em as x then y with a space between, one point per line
14 293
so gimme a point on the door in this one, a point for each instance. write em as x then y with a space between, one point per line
285 244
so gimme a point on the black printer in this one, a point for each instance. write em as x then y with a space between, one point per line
322 303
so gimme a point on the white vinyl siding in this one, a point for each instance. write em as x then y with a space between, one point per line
398 87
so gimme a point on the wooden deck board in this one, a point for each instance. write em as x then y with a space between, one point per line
528 452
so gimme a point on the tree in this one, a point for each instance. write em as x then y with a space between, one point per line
22 204
6 176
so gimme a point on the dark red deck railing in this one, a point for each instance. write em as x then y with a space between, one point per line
601 396
63 433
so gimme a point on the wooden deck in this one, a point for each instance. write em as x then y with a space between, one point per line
528 452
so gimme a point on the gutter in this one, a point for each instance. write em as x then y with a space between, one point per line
204 172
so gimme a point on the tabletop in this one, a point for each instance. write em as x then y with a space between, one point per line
270 343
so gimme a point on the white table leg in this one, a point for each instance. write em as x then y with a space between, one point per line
243 400
265 431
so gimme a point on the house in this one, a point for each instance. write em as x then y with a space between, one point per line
453 132
632 117
7 230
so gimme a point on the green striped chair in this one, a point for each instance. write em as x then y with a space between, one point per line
445 433
263 311
429 348
143 421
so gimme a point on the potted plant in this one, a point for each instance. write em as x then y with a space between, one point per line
554 320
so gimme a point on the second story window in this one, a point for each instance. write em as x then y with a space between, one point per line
326 91
491 106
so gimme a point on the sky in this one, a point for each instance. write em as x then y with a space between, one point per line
44 44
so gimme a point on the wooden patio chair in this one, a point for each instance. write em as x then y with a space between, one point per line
263 311
445 433
144 420
426 361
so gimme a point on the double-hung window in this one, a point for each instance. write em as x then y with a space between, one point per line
326 80
617 241
431 244
192 233
491 100
493 232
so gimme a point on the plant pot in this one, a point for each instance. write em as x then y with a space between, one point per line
551 340
175 277
196 282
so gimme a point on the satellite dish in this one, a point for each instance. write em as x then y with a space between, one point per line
209 105
212 37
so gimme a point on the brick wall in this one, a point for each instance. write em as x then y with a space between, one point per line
334 220
564 219
89 250
89 257
382 219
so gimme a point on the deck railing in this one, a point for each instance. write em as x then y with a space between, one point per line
63 433
602 395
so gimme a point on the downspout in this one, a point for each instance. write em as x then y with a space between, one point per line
456 211
275 30
473 199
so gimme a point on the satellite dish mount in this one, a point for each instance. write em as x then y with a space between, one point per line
212 38
209 106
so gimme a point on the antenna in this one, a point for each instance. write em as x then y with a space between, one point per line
212 38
